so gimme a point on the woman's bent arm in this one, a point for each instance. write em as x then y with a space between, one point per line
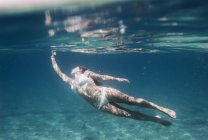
96 76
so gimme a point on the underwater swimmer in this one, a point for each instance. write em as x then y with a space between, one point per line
86 84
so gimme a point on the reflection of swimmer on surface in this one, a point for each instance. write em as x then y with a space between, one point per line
125 49
114 50
99 33
78 24
86 84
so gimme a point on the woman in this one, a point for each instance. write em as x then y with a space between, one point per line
86 84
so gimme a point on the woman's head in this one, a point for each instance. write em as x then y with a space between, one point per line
78 70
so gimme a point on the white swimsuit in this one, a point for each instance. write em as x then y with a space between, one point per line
83 80
103 99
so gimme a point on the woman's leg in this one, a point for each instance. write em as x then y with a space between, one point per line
114 95
117 110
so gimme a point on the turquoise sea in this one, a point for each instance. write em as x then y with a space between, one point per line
160 46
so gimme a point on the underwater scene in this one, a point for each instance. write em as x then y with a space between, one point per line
158 48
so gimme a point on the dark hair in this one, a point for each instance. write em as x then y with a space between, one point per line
83 68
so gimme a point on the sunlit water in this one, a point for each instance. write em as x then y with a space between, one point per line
161 47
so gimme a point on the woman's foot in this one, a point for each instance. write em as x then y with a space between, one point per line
169 112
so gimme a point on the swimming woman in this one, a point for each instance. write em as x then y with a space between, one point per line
87 84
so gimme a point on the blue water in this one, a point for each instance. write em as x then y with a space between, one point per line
161 47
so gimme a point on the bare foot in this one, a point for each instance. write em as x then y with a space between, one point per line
170 113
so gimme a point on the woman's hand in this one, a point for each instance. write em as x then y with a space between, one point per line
123 80
53 53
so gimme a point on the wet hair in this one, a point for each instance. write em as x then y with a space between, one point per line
83 69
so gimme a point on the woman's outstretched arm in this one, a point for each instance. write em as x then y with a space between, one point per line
96 76
63 76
